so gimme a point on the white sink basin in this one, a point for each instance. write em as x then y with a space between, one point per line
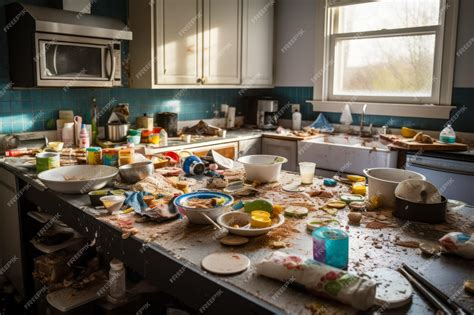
345 154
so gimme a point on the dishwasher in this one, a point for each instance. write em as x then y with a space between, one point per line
453 177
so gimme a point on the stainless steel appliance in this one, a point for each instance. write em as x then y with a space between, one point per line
56 48
452 173
267 117
23 140
117 132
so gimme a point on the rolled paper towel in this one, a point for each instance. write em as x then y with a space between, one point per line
320 279
459 243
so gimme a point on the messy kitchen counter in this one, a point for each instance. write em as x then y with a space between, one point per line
169 253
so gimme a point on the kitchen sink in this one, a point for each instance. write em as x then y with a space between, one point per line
345 154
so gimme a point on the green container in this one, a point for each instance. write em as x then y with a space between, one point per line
46 161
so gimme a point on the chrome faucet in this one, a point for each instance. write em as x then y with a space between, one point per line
362 120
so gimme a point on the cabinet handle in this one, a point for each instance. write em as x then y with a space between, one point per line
199 80
204 79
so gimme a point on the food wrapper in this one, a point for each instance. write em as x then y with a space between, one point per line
321 279
459 243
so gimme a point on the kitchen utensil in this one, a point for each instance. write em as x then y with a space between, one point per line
46 161
426 293
112 203
169 122
229 221
221 232
95 196
117 132
262 168
225 263
194 214
446 299
307 172
383 181
78 178
134 172
420 212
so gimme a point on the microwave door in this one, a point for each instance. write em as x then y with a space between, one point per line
64 64
110 63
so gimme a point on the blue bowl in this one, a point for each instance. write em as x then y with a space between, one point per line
194 214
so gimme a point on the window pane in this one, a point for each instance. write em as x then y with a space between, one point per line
387 14
388 66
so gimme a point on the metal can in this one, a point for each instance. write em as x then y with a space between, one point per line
94 156
46 161
110 157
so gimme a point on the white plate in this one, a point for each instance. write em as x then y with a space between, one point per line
225 220
225 263
78 179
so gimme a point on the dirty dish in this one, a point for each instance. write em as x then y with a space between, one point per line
234 240
238 223
134 172
420 212
95 196
384 180
225 263
348 198
194 214
112 203
293 187
418 191
78 178
262 168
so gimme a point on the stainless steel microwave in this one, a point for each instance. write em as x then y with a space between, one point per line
72 61
57 48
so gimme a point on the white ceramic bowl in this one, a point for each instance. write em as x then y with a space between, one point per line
78 179
194 214
383 181
112 203
229 219
262 168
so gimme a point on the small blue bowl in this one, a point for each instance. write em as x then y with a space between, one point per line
194 214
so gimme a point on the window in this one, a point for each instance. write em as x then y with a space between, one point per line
386 51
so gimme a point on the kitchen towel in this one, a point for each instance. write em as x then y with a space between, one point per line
320 279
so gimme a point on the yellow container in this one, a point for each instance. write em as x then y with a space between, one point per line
359 188
154 138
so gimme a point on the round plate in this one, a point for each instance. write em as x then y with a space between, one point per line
234 240
293 187
225 263
226 220
348 198
393 289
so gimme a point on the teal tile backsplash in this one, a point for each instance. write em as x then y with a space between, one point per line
24 110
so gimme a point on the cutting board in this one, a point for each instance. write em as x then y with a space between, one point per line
399 142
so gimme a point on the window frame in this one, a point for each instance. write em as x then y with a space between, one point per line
443 71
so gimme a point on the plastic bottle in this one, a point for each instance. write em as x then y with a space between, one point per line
84 137
296 120
447 135
163 138
94 129
117 279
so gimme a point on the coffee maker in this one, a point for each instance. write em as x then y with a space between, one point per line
267 117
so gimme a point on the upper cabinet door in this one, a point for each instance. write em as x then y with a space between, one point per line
178 41
257 50
222 41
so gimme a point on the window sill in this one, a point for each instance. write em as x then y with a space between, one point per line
384 109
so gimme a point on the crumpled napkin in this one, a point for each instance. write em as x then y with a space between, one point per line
136 201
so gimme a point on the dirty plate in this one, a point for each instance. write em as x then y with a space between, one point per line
225 263
393 290
230 219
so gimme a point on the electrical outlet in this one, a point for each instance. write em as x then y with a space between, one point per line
295 107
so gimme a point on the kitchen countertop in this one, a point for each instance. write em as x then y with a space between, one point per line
185 245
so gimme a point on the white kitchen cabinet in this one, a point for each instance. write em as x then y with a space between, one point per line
201 43
250 147
285 148
178 41
257 50
222 41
